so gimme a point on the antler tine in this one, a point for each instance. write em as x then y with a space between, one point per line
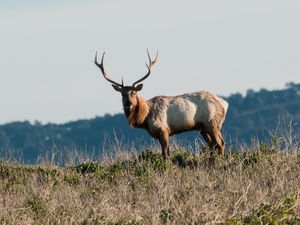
151 63
149 57
105 75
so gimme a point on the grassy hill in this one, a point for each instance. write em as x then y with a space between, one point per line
260 185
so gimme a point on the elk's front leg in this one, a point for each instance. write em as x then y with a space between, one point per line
164 142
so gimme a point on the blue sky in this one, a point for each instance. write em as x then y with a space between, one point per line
47 49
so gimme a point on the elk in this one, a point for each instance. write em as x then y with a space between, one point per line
164 116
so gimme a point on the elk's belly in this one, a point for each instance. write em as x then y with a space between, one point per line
181 115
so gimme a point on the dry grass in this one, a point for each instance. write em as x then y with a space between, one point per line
260 186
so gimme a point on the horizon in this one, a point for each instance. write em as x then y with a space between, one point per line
47 51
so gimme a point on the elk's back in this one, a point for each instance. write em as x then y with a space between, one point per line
187 111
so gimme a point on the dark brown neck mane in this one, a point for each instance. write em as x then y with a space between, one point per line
139 113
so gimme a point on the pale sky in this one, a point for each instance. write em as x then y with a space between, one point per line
47 50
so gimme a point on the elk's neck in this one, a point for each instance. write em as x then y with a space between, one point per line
137 117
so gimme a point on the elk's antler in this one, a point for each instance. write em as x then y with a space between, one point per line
151 63
103 71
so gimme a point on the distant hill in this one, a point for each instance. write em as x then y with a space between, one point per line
255 115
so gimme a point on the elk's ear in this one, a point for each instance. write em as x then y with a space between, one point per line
139 87
117 88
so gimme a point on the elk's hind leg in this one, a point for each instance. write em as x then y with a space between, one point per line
217 142
204 132
206 137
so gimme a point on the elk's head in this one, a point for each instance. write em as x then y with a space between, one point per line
129 93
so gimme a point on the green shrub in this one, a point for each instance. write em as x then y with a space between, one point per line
87 167
37 206
284 213
184 159
166 215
